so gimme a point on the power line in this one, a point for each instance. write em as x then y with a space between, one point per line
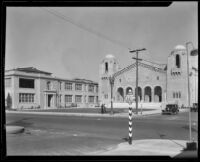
58 14
153 62
67 19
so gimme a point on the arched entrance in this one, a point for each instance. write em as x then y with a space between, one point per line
158 94
147 94
120 94
127 89
139 94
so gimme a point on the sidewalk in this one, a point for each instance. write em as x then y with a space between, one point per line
121 115
149 147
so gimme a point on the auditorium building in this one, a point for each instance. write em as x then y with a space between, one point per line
156 83
30 88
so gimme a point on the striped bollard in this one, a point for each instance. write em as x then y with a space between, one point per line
129 100
130 125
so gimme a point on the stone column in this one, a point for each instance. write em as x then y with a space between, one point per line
45 100
152 94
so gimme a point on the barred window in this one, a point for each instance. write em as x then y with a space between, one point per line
179 94
97 89
78 87
68 98
174 95
68 86
91 88
26 97
96 99
91 99
78 98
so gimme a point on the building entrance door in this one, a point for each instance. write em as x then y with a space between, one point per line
50 100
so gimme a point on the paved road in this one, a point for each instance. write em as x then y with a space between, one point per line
65 135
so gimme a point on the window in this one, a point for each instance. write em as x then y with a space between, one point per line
60 83
91 88
26 83
106 67
8 82
96 99
48 85
68 86
174 95
78 98
177 61
179 94
97 89
68 98
157 77
91 99
106 96
78 87
26 97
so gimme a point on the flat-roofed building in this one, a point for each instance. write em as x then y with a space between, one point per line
33 88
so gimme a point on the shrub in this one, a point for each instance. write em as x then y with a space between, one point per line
9 101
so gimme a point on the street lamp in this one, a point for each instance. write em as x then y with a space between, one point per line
111 79
137 50
193 52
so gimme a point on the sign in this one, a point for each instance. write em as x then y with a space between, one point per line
130 97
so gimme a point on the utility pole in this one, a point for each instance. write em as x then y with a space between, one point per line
137 50
111 79
190 145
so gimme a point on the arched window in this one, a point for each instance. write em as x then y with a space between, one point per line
178 61
106 67
48 85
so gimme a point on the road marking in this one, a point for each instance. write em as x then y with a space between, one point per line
75 135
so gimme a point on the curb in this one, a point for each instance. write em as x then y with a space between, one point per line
84 114
14 129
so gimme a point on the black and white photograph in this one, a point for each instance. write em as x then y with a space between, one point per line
102 80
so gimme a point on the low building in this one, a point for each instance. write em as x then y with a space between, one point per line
33 88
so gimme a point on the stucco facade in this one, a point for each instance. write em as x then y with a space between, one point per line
156 83
42 90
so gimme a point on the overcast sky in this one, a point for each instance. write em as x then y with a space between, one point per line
37 38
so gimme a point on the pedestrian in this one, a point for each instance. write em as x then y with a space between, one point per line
141 106
102 108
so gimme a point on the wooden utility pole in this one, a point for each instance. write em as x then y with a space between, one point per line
137 50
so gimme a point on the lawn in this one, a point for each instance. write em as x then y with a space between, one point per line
86 110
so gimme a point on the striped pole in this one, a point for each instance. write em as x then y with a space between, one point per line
130 125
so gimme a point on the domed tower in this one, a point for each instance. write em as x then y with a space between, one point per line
108 67
177 76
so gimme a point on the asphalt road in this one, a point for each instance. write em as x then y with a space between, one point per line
64 135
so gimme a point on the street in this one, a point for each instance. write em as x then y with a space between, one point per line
64 135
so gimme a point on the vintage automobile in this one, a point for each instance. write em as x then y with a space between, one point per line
171 109
194 107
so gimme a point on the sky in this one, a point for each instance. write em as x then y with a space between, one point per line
37 38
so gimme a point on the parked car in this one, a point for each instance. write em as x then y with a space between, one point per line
171 109
194 107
